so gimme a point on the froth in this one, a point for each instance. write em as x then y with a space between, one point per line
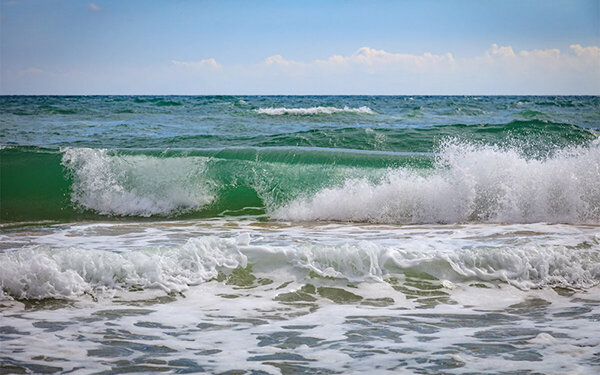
43 272
136 184
312 110
529 266
524 267
470 183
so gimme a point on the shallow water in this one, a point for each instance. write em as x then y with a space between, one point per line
276 297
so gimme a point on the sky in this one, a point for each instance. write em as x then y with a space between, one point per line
370 47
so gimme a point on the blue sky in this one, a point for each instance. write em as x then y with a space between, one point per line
300 47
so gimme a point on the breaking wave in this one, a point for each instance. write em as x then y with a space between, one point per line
461 182
469 183
44 272
136 185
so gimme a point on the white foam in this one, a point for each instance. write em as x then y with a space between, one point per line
470 183
529 266
544 339
312 110
136 184
42 271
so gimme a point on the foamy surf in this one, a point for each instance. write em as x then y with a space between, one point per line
313 110
45 271
469 183
185 292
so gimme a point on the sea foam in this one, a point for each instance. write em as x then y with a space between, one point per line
44 272
469 183
313 110
47 272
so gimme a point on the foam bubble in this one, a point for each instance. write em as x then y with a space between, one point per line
470 183
313 110
136 184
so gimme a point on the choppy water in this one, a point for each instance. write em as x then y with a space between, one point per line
300 234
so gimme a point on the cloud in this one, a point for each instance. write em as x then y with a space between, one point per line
592 51
502 51
370 56
497 70
198 65
94 7
372 60
500 69
279 60
369 59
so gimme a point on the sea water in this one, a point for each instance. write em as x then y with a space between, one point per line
292 235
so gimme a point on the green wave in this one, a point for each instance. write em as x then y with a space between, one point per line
37 184
267 172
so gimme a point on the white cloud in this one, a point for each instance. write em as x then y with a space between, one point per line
198 65
94 7
380 61
498 70
370 56
366 59
592 51
547 54
502 51
279 60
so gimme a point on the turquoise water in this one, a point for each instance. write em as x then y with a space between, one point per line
289 235
206 156
387 123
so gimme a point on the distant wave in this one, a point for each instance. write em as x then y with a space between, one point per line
312 110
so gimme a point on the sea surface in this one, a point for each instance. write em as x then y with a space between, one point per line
300 234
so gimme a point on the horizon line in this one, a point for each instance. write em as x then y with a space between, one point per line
407 95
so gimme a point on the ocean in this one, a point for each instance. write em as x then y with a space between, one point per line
300 234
